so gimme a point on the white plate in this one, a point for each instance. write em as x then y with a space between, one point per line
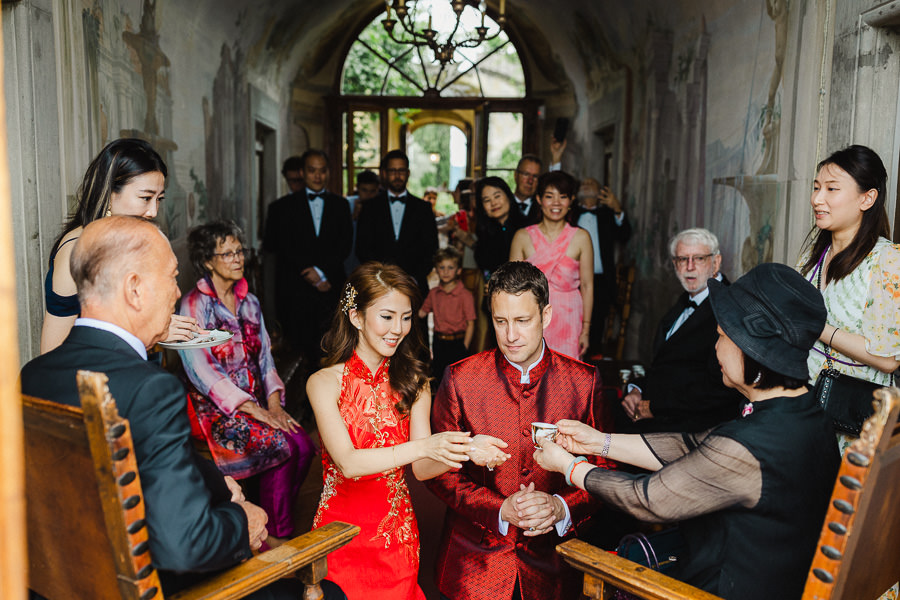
207 340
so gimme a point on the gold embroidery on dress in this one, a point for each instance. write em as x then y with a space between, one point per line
380 413
396 524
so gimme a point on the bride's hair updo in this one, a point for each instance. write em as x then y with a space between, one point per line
366 284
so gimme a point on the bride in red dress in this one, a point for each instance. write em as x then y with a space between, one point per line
373 408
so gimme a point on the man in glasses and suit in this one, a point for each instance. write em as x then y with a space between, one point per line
310 232
683 389
397 227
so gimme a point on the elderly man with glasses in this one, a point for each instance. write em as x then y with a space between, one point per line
683 389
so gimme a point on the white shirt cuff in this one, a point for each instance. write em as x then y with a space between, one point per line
563 526
320 273
631 386
555 167
502 526
620 218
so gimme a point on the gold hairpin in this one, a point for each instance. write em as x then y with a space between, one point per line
349 299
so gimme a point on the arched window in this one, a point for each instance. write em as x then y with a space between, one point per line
378 66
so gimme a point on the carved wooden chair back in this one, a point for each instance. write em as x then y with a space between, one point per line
856 557
85 544
619 313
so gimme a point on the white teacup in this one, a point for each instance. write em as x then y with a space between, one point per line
543 430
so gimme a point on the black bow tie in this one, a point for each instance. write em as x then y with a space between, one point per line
397 198
687 303
315 195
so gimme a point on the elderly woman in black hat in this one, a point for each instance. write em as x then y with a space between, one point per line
750 494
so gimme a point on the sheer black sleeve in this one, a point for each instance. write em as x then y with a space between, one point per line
701 474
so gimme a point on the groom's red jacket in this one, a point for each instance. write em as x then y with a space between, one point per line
483 394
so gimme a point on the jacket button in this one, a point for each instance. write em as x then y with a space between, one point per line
526 471
526 433
520 545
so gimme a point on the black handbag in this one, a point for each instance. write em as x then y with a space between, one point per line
846 400
659 552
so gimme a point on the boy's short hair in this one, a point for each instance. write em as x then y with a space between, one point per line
448 253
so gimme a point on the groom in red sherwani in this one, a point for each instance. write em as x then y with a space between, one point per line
503 525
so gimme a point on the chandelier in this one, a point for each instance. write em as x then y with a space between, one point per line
444 50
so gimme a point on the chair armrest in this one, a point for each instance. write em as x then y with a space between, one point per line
261 570
604 569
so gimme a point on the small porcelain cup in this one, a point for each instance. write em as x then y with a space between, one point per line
543 430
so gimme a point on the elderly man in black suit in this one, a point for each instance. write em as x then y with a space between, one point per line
600 213
683 388
397 227
198 520
310 232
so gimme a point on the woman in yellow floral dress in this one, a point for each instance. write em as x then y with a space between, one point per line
857 269
372 405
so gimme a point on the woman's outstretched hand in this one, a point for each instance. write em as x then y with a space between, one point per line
578 438
487 451
552 457
448 447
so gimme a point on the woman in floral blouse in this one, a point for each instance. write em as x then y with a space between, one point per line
235 393
853 263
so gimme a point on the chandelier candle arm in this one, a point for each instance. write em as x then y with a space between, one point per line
443 51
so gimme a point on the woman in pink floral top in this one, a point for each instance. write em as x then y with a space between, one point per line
236 394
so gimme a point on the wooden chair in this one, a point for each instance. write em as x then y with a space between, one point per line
619 313
85 514
856 557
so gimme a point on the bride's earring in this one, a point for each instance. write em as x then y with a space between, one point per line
108 212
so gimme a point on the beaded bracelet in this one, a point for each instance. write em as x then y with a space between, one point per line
575 462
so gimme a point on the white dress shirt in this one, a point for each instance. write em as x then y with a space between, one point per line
316 207
398 209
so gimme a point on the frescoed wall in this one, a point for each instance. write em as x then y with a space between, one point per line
714 113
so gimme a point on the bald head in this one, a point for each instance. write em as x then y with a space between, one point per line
106 250
125 271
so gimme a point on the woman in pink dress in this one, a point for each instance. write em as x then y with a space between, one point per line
565 254
373 405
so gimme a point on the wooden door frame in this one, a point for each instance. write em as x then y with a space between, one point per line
336 106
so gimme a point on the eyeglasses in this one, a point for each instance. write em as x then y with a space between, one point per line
526 175
699 261
232 255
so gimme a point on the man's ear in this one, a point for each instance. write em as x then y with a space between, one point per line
546 315
133 291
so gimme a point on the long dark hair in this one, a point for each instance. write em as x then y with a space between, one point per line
372 280
117 164
867 170
486 226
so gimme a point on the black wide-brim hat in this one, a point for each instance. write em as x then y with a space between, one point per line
773 315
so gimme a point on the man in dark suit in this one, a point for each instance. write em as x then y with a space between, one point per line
600 213
198 520
310 233
526 179
397 227
683 388
503 526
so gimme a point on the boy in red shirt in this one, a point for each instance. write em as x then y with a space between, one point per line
454 313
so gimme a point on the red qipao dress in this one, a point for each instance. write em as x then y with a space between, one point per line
382 562
565 294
